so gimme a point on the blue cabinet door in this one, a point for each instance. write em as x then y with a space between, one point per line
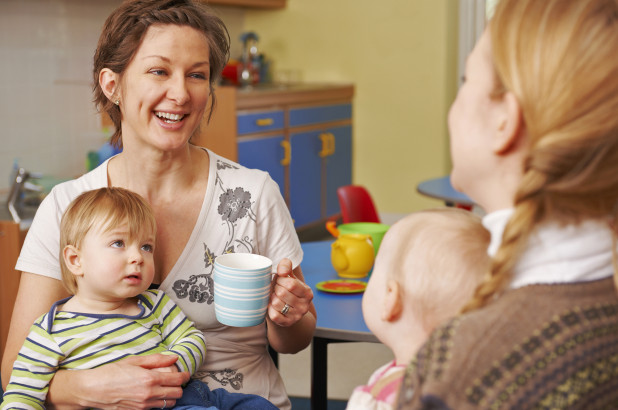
338 167
305 178
259 121
263 153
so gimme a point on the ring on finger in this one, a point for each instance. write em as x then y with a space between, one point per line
285 309
164 404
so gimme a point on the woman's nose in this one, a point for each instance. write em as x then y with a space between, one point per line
178 91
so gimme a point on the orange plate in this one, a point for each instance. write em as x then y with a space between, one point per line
342 286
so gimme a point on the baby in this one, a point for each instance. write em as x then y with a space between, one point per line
427 268
107 241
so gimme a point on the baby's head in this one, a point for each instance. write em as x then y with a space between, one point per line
102 210
432 260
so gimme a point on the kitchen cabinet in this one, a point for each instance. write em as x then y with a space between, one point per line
301 135
321 161
11 240
264 153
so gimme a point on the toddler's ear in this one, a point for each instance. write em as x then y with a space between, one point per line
393 303
71 258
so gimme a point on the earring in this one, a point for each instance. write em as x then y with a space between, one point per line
117 102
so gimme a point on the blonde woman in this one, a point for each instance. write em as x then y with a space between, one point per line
534 141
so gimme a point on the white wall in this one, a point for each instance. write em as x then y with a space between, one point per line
46 49
48 121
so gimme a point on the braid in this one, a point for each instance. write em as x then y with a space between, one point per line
529 209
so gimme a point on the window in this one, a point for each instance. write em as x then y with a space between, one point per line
473 16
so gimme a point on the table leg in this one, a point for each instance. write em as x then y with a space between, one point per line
319 362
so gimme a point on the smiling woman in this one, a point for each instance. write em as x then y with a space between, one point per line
169 82
154 69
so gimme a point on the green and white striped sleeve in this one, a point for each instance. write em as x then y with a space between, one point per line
33 369
179 334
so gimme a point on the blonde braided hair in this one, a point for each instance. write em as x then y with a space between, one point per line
558 57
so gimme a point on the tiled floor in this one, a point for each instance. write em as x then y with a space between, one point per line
302 403
349 365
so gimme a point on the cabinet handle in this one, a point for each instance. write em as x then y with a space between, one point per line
287 153
264 122
324 152
331 143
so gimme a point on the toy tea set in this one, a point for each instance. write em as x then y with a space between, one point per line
353 254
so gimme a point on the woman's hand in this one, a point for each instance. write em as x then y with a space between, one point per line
288 291
132 383
291 311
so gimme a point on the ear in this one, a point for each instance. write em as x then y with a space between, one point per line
393 303
72 259
108 80
509 126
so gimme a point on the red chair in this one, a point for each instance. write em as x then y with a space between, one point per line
356 204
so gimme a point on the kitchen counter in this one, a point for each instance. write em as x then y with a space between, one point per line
11 239
268 94
29 205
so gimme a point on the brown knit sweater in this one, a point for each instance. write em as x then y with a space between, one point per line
537 347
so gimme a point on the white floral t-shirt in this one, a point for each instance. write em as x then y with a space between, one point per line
242 211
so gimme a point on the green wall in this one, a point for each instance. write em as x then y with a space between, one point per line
402 57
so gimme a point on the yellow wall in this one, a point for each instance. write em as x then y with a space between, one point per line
402 57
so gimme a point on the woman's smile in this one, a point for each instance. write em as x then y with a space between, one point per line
171 121
169 117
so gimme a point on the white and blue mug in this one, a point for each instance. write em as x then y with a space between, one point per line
242 288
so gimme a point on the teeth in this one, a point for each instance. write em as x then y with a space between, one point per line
169 117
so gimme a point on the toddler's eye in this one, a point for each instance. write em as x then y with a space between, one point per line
118 244
147 247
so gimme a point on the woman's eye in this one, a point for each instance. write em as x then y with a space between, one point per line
118 244
199 76
157 71
147 247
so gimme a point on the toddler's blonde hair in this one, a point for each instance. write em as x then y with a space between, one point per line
104 209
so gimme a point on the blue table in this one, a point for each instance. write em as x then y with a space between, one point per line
441 188
340 317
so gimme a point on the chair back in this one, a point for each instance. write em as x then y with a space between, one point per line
356 204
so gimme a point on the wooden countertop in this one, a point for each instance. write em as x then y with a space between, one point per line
269 95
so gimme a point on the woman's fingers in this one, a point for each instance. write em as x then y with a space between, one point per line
152 361
290 301
291 297
134 383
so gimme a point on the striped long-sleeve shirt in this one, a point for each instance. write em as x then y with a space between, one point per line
68 340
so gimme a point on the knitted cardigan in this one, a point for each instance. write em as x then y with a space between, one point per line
536 347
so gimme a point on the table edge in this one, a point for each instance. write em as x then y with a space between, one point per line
345 335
